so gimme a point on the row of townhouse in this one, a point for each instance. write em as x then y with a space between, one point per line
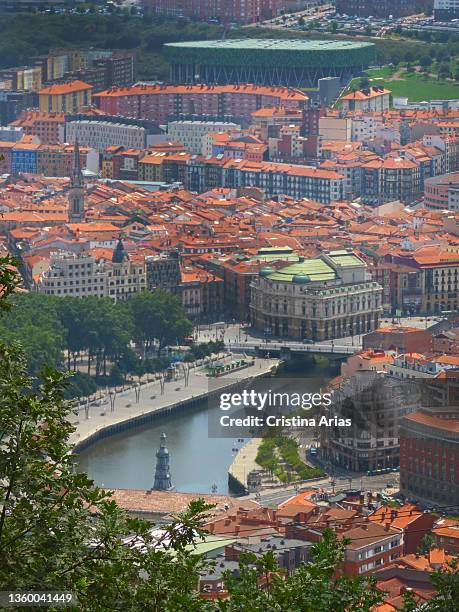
28 156
400 175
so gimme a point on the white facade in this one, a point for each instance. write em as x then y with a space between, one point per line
453 198
11 133
191 133
102 134
81 275
447 5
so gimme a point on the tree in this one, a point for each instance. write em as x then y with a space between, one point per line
427 543
443 70
158 316
446 582
311 588
364 83
60 532
425 61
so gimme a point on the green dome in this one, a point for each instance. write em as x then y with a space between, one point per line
266 271
301 279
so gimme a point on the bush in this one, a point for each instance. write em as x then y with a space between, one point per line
80 385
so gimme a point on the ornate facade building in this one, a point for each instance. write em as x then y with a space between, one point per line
375 403
327 297
81 275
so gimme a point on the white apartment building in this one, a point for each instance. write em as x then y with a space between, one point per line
453 198
191 133
82 275
102 134
374 99
446 9
11 133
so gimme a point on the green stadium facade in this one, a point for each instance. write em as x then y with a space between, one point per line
292 63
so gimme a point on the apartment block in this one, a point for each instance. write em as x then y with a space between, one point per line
68 97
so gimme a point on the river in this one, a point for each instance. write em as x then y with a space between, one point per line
198 463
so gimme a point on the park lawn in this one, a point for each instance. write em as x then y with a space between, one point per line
383 72
416 87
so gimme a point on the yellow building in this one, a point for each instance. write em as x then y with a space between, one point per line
69 97
151 167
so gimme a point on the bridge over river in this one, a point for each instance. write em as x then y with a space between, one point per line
333 351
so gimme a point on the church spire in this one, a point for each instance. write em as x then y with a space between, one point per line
77 174
76 192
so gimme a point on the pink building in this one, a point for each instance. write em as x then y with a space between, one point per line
160 103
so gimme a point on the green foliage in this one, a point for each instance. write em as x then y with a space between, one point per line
258 587
204 349
267 457
427 543
80 385
446 582
160 318
114 31
59 331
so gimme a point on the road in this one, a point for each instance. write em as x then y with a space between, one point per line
374 484
237 333
314 11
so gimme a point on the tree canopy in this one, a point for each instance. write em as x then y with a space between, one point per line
57 330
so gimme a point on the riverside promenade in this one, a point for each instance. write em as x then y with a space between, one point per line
139 405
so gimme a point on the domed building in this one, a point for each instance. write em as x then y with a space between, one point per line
326 297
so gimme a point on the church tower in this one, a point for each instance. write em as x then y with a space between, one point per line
162 475
76 193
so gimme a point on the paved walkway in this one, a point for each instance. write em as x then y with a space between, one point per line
244 462
152 399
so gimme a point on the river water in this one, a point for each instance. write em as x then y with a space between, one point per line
198 462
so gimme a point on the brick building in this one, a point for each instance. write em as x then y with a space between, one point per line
47 126
224 11
400 339
429 456
162 103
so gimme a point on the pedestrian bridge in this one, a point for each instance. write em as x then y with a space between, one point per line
288 349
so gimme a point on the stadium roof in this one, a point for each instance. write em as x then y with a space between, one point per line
273 44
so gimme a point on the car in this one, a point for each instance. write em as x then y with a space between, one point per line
308 341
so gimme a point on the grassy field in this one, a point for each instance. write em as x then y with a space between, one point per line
417 87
